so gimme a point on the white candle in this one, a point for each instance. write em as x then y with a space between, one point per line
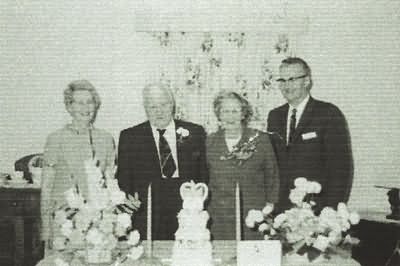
149 244
237 203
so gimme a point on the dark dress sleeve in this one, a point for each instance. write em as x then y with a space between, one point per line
124 171
271 172
204 174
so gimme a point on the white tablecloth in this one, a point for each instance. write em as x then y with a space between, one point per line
224 253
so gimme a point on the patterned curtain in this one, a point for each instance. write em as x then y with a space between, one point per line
198 65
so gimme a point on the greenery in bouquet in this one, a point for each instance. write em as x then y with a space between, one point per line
303 232
99 223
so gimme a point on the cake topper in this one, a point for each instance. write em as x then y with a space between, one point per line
193 195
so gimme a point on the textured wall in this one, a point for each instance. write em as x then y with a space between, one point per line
352 47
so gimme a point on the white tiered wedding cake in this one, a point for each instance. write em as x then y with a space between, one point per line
192 239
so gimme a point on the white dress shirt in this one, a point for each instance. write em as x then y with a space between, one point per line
230 143
299 111
170 136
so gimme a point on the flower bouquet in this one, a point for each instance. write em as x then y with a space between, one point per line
301 231
97 229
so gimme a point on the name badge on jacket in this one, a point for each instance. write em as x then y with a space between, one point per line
309 135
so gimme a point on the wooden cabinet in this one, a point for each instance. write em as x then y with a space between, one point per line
20 223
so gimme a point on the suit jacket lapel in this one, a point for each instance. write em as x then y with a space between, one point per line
179 151
304 119
283 123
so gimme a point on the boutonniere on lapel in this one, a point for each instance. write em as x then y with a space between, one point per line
242 151
182 134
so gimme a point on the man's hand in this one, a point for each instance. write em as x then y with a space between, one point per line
133 202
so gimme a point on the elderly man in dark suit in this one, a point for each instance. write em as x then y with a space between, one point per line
310 138
163 152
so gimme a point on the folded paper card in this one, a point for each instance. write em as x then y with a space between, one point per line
259 253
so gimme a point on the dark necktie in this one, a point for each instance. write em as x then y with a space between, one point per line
168 166
292 125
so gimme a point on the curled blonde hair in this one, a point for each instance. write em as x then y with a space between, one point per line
81 85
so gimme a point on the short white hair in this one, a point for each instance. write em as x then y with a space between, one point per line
148 89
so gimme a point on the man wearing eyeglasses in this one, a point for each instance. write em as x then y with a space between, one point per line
310 138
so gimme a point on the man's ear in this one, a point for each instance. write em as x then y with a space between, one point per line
307 81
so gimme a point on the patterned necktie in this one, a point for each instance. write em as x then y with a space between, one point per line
168 166
292 125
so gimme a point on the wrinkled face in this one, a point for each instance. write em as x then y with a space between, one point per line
293 83
230 114
159 108
83 107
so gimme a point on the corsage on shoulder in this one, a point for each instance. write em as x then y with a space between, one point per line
242 151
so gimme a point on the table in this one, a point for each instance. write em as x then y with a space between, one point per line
224 253
379 237
377 216
20 215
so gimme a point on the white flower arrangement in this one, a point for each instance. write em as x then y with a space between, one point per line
99 225
301 231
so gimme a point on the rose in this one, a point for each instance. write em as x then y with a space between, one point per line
254 216
263 227
296 196
124 220
354 218
279 220
269 207
293 237
300 182
313 187
335 237
133 238
183 132
321 243
249 222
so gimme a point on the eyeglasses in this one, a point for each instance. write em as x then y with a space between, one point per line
290 80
